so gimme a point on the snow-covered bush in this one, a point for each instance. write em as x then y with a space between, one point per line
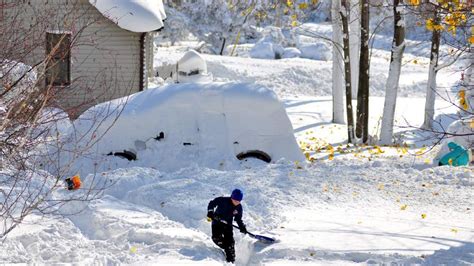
316 51
263 50
291 52
17 79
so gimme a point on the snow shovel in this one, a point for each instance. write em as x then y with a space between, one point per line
260 238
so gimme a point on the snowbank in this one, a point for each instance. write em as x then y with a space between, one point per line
182 124
133 15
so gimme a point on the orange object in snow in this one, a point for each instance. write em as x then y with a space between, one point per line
73 183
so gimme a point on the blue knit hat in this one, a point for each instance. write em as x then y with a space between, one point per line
237 195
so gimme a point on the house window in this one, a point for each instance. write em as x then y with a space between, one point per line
58 67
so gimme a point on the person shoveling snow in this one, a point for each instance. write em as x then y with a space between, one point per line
222 211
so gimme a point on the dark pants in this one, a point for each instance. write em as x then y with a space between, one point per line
223 236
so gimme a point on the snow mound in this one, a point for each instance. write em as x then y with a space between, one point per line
316 51
182 124
133 15
291 52
263 50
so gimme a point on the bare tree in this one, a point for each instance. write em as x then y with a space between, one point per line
362 128
32 168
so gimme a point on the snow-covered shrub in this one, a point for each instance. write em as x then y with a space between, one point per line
17 78
316 51
291 52
176 27
263 50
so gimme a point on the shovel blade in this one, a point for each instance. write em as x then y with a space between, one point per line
264 239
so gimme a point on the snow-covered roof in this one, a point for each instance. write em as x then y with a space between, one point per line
133 15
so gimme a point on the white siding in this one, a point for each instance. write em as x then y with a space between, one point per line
105 59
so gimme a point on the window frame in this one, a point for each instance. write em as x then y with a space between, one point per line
58 67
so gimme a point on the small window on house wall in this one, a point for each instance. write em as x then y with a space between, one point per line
58 67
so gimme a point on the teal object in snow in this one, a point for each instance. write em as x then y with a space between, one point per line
458 154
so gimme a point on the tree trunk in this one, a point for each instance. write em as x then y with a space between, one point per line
354 40
431 86
391 88
337 65
363 88
347 71
222 46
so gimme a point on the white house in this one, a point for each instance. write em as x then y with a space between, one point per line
88 51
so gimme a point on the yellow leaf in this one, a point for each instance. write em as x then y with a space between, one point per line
306 154
423 215
427 161
454 230
403 207
314 2
429 24
331 157
133 250
471 39
472 124
381 186
415 2
303 6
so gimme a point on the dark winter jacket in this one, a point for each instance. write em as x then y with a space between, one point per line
225 210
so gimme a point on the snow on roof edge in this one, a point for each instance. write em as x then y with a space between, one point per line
133 15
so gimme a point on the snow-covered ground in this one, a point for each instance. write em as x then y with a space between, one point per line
351 205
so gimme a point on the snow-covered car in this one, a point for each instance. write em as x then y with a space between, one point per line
212 125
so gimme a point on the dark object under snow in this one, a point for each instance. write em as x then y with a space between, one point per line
160 136
131 156
254 154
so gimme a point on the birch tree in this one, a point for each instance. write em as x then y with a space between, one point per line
433 71
391 88
354 42
337 65
347 70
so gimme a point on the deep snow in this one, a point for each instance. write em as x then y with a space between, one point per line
350 206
